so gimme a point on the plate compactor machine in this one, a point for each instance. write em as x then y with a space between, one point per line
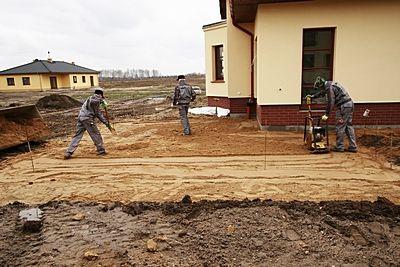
315 134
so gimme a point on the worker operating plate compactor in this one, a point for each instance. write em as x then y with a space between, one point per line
316 137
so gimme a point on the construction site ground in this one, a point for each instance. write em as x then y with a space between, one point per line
133 194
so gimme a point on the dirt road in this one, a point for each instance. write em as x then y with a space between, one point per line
223 159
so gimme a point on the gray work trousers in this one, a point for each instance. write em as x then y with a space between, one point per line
94 133
183 111
344 126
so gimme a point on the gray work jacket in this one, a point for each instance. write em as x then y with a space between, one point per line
91 109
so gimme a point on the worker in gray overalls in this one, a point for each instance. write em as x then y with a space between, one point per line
338 96
86 122
183 95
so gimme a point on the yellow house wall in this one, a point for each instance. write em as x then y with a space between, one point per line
214 36
63 81
41 82
34 83
237 59
239 67
46 81
95 79
366 52
79 84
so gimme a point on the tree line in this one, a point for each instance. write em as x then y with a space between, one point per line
129 73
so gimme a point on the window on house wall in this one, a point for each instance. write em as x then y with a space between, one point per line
83 79
317 59
10 82
26 80
75 79
218 63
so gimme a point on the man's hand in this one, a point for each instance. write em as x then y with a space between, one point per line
110 127
104 104
309 96
324 117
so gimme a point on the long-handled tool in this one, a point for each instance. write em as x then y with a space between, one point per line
315 136
111 128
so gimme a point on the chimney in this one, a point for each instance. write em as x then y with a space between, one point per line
49 59
73 63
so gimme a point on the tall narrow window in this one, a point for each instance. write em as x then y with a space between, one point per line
317 59
75 79
218 62
83 79
26 80
10 82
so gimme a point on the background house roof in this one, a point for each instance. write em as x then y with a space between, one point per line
46 66
245 10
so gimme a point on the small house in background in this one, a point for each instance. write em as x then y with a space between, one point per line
42 75
264 55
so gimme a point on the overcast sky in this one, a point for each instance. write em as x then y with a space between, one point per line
102 34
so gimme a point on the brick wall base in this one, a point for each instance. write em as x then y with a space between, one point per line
293 115
235 105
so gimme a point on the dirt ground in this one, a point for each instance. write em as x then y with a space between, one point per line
149 160
205 233
324 211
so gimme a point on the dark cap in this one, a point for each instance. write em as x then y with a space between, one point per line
180 77
99 91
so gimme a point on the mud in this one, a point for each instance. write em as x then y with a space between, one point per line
206 233
57 101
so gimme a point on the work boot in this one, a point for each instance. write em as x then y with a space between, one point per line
336 149
102 153
67 156
352 149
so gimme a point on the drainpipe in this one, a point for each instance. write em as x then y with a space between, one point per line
251 100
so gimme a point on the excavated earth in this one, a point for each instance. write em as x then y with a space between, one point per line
205 233
126 208
14 132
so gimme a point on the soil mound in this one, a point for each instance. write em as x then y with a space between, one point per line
13 133
56 101
20 124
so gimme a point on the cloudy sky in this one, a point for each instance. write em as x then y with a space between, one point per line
101 34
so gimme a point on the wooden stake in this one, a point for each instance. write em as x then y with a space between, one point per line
391 139
265 150
29 148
